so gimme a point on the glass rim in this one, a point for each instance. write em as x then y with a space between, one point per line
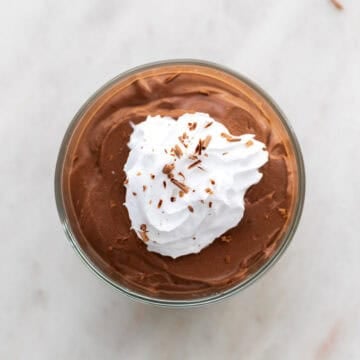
201 300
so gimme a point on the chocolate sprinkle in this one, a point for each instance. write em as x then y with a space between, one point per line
180 185
194 164
178 151
206 142
192 126
143 235
337 4
168 168
229 137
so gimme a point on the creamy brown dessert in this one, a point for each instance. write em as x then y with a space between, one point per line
94 192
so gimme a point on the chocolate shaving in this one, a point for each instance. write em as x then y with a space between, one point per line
178 152
193 157
152 176
337 4
209 191
212 182
173 199
192 126
181 193
134 193
168 168
210 204
201 168
191 209
208 124
143 227
200 146
164 184
138 173
206 142
180 185
225 153
159 204
170 176
229 137
181 174
144 187
249 143
182 141
194 164
144 236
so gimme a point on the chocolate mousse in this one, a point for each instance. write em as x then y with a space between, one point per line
94 193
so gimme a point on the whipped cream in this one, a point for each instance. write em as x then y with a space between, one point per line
186 181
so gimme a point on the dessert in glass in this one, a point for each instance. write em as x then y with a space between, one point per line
180 182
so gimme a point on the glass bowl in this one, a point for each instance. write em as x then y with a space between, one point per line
64 217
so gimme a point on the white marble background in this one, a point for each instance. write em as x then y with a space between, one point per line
54 54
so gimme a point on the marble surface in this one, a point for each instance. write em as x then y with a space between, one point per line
306 54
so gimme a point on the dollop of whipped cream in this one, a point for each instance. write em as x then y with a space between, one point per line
186 181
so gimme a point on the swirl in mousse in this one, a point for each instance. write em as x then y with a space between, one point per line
179 181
